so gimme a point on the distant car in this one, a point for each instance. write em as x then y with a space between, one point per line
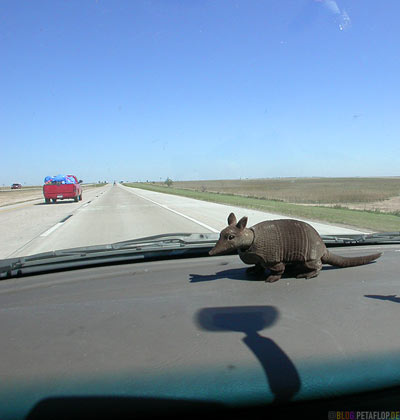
16 186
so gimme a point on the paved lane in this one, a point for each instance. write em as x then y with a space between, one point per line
113 216
22 223
117 213
215 215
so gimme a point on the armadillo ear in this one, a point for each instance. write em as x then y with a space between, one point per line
242 223
232 219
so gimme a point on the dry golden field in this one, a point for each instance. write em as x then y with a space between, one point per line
359 193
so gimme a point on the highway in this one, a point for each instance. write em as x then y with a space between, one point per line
113 213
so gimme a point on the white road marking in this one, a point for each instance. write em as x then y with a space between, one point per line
177 212
52 229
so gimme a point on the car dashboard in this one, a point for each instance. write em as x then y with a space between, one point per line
199 335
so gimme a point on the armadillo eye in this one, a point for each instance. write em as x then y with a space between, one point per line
230 237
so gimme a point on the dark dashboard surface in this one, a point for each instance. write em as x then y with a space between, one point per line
200 330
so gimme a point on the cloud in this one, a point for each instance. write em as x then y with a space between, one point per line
345 21
332 6
341 16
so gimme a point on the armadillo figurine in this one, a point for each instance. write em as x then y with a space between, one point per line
277 243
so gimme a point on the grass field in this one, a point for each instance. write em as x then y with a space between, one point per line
304 190
294 199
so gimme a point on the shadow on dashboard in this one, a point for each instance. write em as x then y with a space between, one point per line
233 274
391 298
281 373
242 274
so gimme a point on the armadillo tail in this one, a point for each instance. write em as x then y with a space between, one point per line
339 261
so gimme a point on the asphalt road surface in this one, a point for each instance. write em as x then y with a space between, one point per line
115 213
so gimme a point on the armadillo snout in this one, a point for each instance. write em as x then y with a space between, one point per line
217 250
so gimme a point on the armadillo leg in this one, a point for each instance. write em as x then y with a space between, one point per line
311 269
276 272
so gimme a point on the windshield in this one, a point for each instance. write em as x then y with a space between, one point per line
127 119
175 178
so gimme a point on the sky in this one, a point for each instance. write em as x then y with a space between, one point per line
142 90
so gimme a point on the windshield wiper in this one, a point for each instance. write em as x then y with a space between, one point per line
152 247
364 239
166 240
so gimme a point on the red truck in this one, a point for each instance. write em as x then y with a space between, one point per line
61 188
